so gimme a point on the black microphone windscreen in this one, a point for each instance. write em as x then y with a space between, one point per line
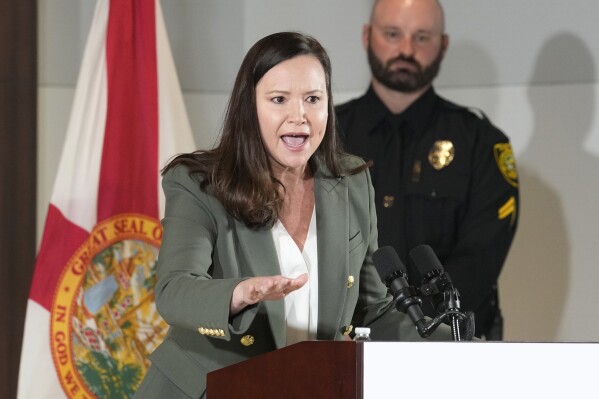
387 262
425 259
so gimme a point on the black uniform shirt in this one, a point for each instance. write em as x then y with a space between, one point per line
445 177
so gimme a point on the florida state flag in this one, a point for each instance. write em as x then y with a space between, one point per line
91 319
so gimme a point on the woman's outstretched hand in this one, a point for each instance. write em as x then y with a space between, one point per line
269 288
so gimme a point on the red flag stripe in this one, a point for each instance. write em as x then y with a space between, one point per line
128 173
60 241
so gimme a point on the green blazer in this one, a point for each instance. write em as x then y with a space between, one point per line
205 252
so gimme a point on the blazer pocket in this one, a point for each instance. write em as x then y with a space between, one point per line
355 241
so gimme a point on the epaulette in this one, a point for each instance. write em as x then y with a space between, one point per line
471 110
478 112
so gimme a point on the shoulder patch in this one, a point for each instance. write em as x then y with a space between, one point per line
506 162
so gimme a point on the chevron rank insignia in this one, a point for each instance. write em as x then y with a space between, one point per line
508 210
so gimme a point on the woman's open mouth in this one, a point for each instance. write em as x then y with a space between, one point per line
295 140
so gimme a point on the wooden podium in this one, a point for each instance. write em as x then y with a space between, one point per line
375 370
311 369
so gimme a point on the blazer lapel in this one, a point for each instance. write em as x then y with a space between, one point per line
259 251
332 212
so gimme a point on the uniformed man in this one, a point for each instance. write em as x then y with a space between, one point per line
443 174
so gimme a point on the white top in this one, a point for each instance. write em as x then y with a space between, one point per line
301 306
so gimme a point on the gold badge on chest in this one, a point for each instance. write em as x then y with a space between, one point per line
441 154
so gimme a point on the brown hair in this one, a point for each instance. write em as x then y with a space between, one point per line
238 169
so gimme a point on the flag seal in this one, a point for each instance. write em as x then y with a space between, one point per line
104 320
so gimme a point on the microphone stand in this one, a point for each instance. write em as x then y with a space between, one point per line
446 300
436 284
468 326
448 309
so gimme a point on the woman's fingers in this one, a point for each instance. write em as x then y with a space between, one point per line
276 287
258 289
300 280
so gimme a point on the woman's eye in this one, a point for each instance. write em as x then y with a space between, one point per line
313 99
278 100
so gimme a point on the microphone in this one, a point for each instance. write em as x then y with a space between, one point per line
393 274
437 284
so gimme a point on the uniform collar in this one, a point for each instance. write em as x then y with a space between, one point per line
373 112
418 114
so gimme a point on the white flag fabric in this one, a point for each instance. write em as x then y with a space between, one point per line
91 319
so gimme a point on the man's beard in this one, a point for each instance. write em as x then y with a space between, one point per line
402 80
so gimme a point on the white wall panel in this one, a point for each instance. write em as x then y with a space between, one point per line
207 39
492 43
337 24
498 42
